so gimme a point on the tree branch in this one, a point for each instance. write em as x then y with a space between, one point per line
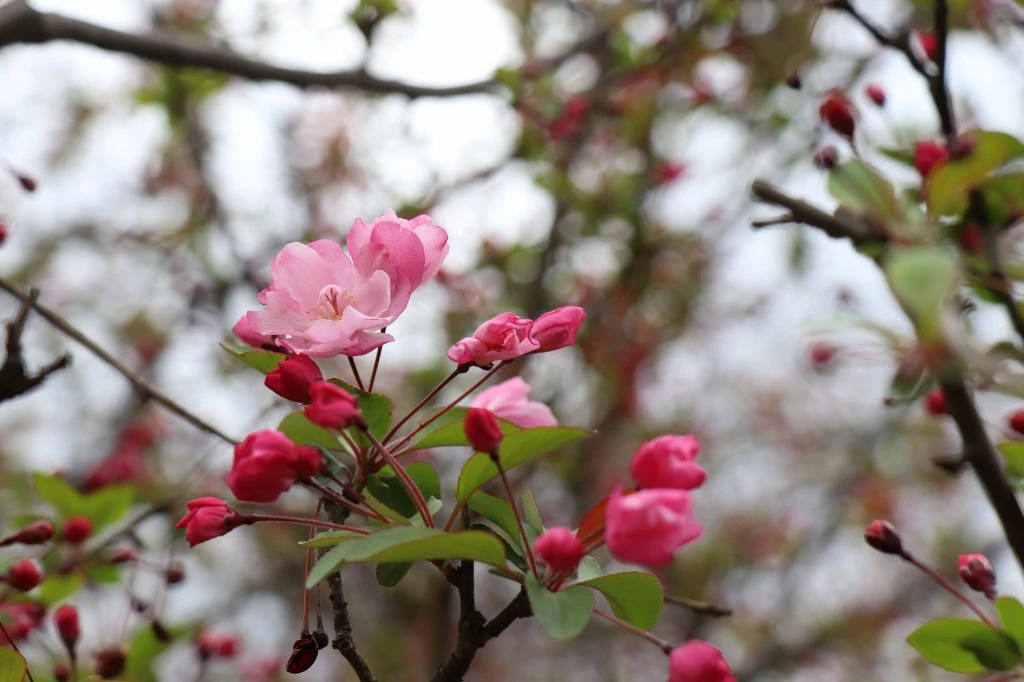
859 232
474 633
144 388
20 23
343 640
14 379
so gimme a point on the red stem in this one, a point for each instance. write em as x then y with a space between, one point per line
949 587
421 404
403 477
515 510
662 644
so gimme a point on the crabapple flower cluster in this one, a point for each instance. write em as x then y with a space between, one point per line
325 301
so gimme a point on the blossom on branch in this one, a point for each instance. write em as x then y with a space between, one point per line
509 400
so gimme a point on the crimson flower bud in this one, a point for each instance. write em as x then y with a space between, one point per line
935 402
110 662
929 44
976 571
65 618
331 406
793 81
61 672
207 518
293 378
928 156
826 158
559 548
174 574
4 232
698 661
76 530
23 575
837 112
1016 421
482 429
875 93
882 536
303 656
224 646
124 555
35 533
665 172
29 184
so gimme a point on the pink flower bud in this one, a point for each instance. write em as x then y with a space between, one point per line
935 402
35 533
976 571
928 156
23 575
65 618
837 112
875 93
648 526
208 518
668 462
882 536
293 378
698 661
331 406
558 328
249 337
124 555
503 337
509 401
61 672
267 463
826 158
559 548
482 429
76 530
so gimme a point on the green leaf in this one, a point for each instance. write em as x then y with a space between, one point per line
859 186
948 186
390 575
57 587
939 642
635 596
386 487
304 432
994 649
562 614
1003 196
108 505
498 511
448 431
376 409
516 449
923 279
12 666
104 574
588 569
330 538
531 513
410 543
59 494
1011 615
264 361
1013 455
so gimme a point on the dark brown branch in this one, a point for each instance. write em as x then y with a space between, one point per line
990 246
14 378
20 23
343 640
858 232
474 633
142 387
982 457
937 80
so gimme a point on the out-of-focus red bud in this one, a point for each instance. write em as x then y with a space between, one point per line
35 533
837 111
882 536
23 575
65 618
935 402
76 530
110 661
482 429
304 653
875 93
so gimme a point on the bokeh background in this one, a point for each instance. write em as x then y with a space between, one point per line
610 169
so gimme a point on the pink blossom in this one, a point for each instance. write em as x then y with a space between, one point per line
324 302
503 337
668 462
698 661
331 406
558 328
208 518
250 338
646 527
267 463
508 400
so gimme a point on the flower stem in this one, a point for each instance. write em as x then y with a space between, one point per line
665 646
254 518
449 406
10 640
355 372
949 587
515 509
403 477
421 404
376 362
340 499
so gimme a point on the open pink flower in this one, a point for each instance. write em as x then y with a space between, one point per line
698 661
208 518
508 400
668 462
503 337
324 302
267 463
250 338
647 526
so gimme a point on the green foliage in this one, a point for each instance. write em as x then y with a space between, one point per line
994 649
1011 615
923 278
497 511
860 187
588 569
144 649
948 186
516 449
304 432
376 409
56 587
448 431
952 643
562 614
1013 455
331 537
12 666
409 543
635 596
530 512
103 507
263 361
389 575
386 487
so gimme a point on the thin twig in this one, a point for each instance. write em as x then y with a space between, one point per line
802 212
376 362
702 607
403 476
461 369
14 377
355 372
10 640
496 458
142 387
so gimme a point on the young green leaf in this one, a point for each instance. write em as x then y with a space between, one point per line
59 494
1011 615
635 597
530 512
994 649
447 431
389 575
497 511
265 361
301 431
588 569
562 614
939 641
859 186
12 666
923 279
